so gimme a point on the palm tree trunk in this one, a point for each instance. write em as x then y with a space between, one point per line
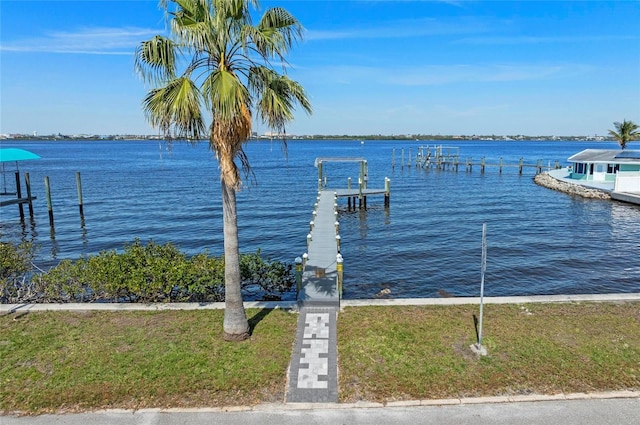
236 326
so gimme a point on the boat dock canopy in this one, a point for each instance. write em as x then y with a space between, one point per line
13 154
338 159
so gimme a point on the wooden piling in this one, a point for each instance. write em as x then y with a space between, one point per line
79 185
482 163
500 165
387 191
520 165
19 195
47 190
27 183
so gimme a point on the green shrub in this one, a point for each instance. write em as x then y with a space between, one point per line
159 273
15 267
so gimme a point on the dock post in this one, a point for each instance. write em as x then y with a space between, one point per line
47 190
298 261
402 158
340 270
393 158
520 166
387 191
409 159
349 183
500 165
27 183
19 195
482 163
338 243
79 185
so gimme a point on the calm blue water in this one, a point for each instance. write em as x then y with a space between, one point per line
428 241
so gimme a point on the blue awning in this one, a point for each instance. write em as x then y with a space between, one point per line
13 154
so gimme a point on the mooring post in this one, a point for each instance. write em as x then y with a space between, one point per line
500 165
349 183
387 191
338 242
340 270
482 163
79 185
409 159
298 261
393 158
402 158
27 182
19 195
520 166
47 190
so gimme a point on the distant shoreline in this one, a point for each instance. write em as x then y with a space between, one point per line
417 138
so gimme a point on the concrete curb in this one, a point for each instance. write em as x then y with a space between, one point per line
269 407
292 305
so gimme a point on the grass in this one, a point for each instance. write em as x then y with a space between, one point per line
61 361
64 361
400 353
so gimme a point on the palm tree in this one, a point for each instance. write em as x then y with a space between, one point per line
626 131
227 76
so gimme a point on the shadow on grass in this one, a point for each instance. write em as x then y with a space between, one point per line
257 318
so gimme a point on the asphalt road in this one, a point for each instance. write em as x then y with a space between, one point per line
561 412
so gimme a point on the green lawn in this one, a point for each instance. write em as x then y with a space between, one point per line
399 353
70 361
74 361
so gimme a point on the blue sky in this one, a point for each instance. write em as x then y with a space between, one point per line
370 67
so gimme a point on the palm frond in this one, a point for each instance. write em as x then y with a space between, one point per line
276 33
225 94
175 110
155 59
278 97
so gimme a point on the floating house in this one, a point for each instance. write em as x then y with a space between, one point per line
619 168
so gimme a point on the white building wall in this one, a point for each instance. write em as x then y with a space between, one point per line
627 181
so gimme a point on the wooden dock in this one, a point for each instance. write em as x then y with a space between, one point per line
448 158
320 286
320 282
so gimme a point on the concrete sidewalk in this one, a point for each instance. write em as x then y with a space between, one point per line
618 408
630 297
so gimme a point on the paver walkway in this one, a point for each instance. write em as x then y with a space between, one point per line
313 373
